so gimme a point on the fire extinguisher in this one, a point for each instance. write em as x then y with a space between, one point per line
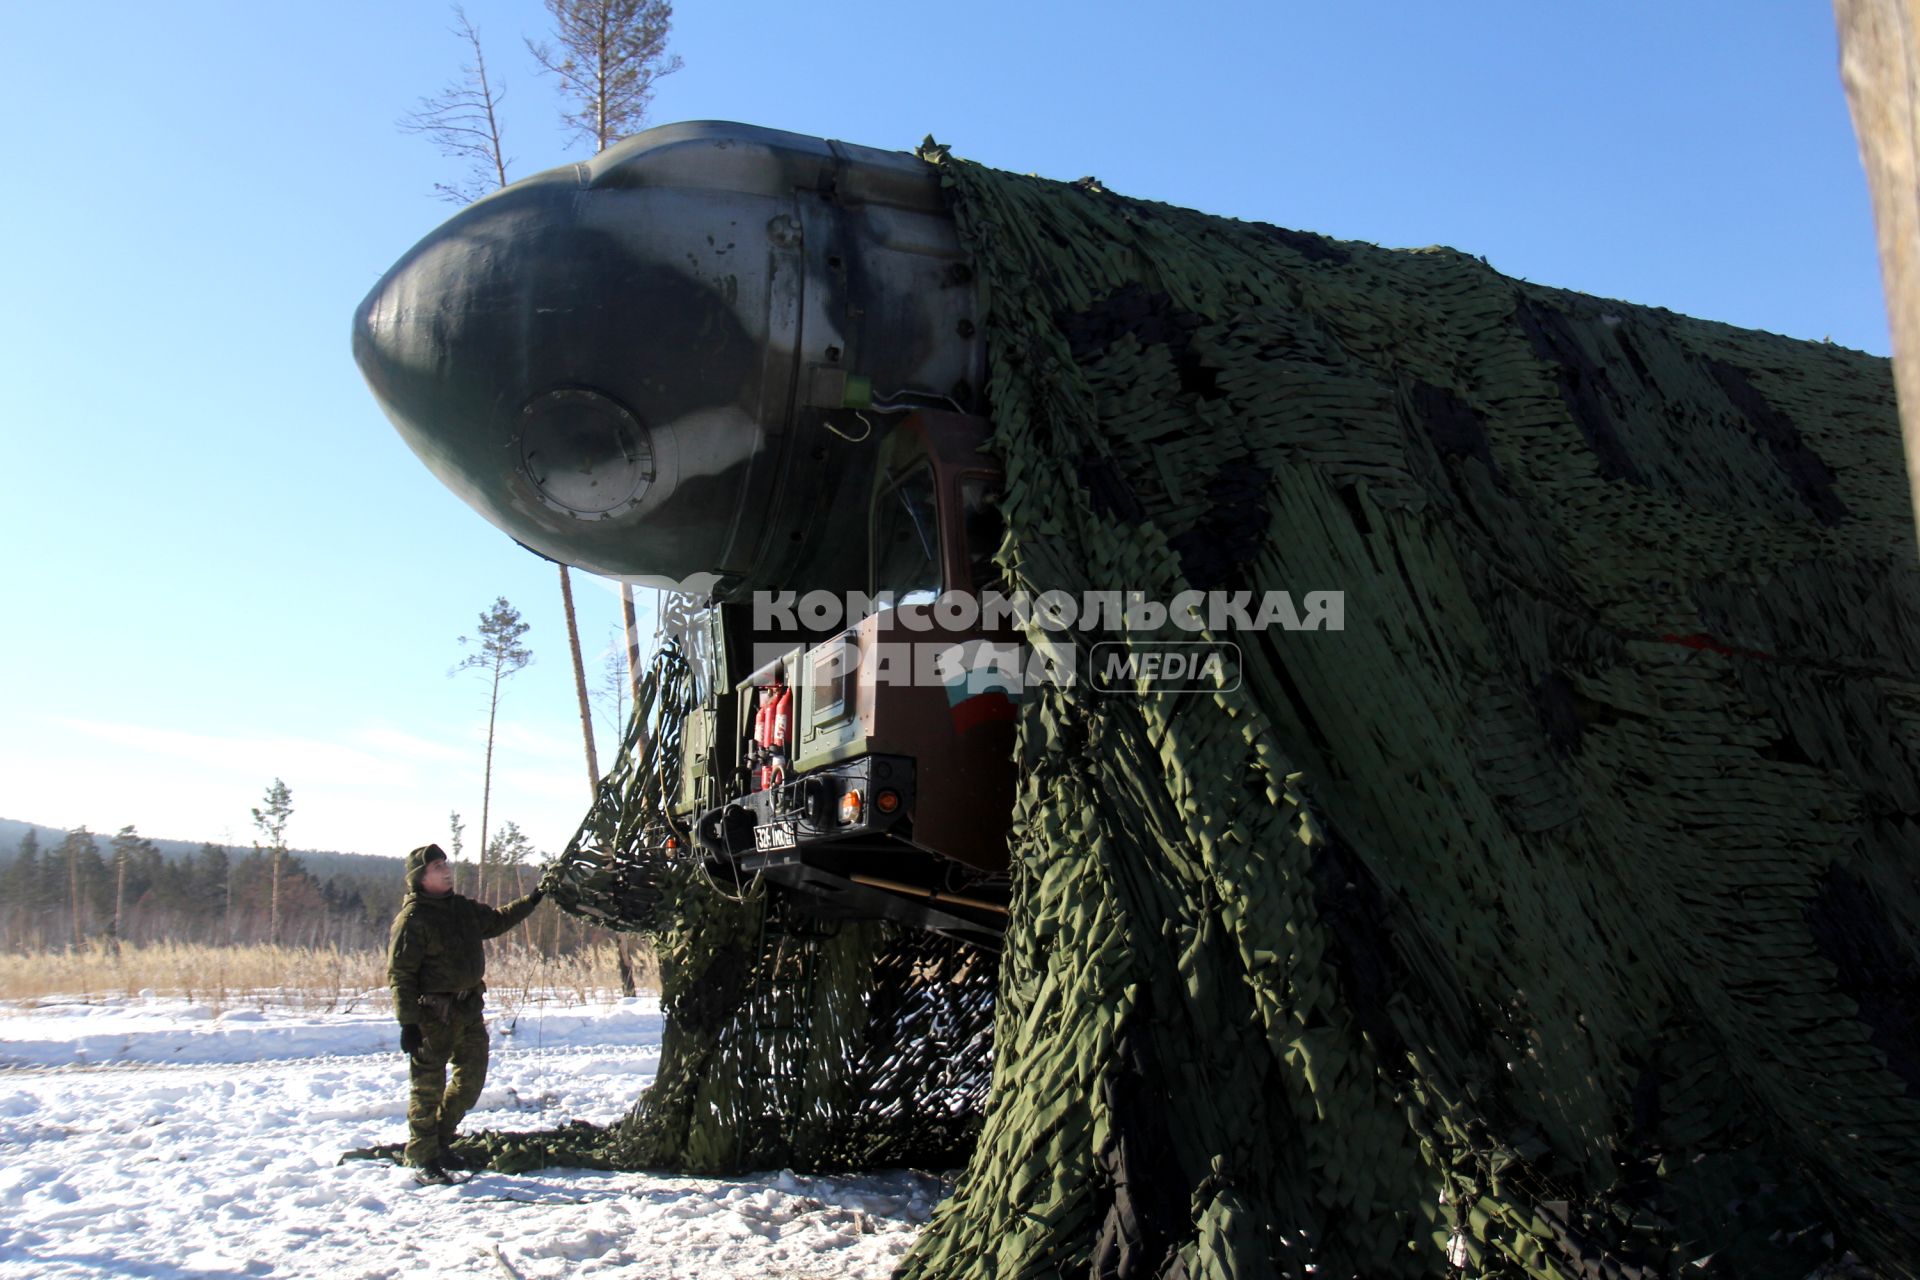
782 717
763 735
778 729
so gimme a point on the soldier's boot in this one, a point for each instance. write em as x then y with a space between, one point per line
432 1174
452 1159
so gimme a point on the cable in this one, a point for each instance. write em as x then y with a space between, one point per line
860 439
907 398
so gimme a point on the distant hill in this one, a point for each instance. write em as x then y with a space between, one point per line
322 863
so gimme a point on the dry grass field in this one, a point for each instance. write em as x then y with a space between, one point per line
324 980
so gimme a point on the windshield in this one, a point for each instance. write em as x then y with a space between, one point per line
906 539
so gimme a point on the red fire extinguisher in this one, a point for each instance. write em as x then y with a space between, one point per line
782 717
763 735
778 728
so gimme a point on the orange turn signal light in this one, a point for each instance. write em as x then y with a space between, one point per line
850 805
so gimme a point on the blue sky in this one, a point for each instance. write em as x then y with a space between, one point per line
220 564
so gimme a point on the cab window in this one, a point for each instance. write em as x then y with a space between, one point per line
906 539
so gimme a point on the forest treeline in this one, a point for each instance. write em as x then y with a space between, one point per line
91 889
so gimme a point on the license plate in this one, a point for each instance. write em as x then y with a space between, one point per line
773 835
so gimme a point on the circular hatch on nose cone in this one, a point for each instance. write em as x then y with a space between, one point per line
586 455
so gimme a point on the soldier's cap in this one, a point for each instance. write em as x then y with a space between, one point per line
417 862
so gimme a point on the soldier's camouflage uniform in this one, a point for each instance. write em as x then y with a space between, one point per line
436 965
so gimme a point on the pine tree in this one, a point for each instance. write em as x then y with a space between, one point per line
134 856
610 53
497 655
210 889
53 892
614 682
271 822
509 849
23 891
79 853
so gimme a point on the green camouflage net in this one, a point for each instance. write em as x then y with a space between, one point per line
619 870
789 1041
1556 917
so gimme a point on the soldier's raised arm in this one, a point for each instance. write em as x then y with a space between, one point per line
495 921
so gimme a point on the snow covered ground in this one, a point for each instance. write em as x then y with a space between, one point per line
151 1137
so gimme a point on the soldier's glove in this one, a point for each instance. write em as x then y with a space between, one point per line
411 1038
537 894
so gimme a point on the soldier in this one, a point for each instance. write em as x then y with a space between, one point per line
435 964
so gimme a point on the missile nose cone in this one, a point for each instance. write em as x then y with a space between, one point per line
377 338
548 368
634 365
377 342
425 335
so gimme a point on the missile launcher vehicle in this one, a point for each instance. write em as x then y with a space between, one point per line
1556 917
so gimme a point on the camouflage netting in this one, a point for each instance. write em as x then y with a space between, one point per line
1554 918
789 1041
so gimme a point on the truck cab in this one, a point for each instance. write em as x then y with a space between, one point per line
868 771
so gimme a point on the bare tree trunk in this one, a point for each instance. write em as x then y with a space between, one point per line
486 787
119 897
273 902
623 958
73 890
580 683
633 641
1880 67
